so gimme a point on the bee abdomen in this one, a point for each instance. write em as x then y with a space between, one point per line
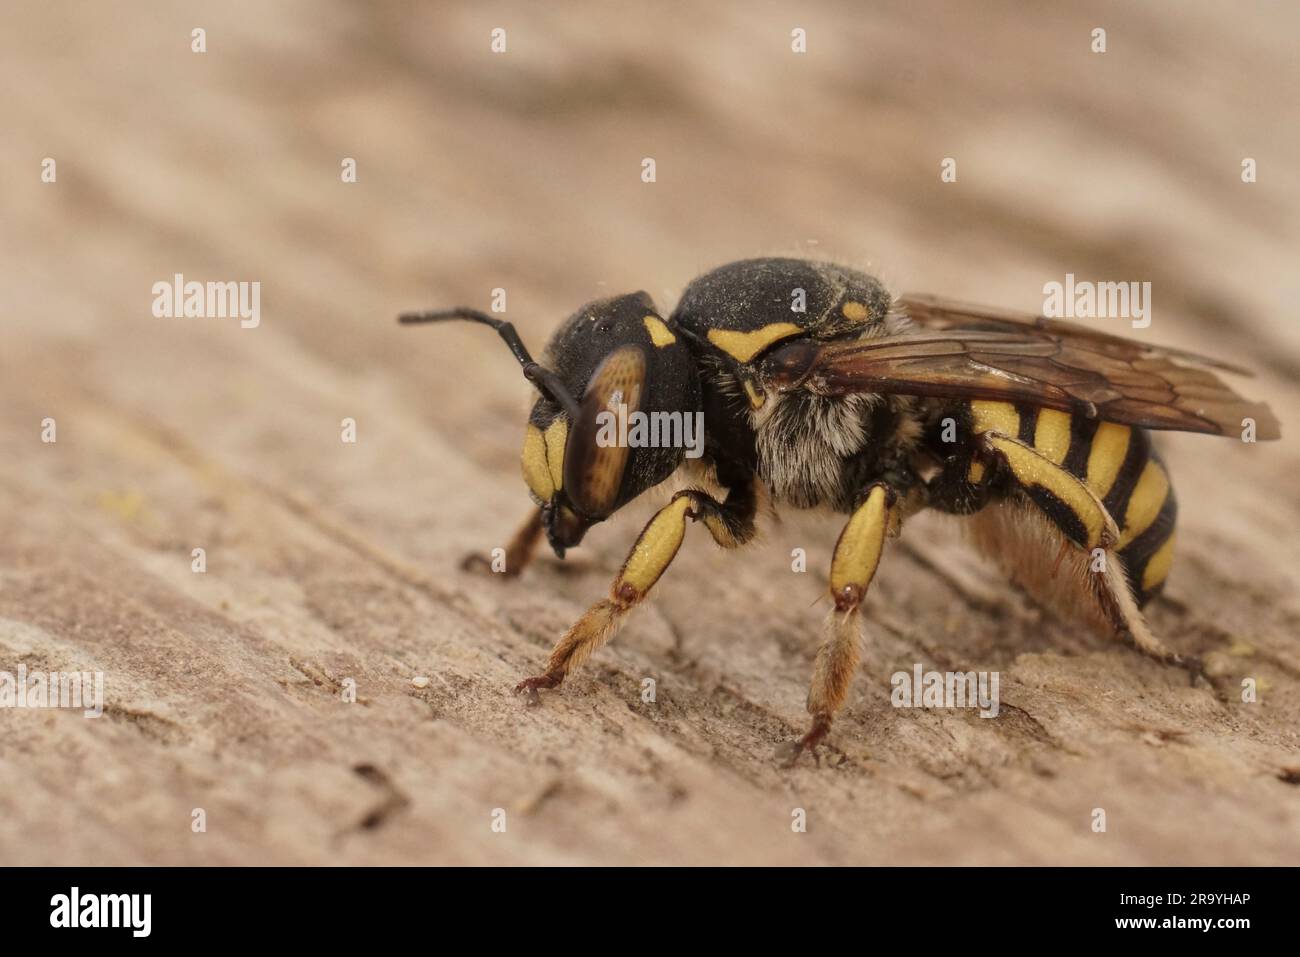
1119 466
1135 488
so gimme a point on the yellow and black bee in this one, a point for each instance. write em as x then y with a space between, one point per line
818 389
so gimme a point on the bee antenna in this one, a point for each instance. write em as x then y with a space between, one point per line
545 381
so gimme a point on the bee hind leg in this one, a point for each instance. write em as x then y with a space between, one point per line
1077 514
1081 580
1115 598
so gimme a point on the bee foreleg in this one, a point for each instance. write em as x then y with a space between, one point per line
731 523
853 566
518 552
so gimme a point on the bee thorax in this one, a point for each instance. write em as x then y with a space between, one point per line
821 451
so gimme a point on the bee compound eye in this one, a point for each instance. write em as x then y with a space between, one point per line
593 466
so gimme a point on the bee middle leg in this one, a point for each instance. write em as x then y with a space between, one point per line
853 566
731 523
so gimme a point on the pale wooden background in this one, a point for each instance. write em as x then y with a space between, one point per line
328 561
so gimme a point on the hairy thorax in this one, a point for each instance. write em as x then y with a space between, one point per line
815 450
819 451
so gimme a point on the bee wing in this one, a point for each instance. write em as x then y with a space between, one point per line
936 313
963 352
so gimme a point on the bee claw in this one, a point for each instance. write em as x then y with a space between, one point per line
793 750
474 562
530 686
1194 667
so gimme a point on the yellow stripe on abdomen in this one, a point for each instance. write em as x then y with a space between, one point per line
1109 447
989 416
1157 569
1144 502
1052 434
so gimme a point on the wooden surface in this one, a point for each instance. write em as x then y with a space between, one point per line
328 561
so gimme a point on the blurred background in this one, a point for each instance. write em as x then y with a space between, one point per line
332 562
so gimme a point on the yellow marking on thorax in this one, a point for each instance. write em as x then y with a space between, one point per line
1157 569
1032 469
656 546
857 553
660 334
743 346
1109 447
1145 502
1052 434
854 311
995 417
976 473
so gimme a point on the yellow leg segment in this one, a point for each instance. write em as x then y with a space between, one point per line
1035 471
857 555
650 557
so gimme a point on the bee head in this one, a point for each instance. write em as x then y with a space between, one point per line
613 364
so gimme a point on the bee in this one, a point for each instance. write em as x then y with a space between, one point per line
818 389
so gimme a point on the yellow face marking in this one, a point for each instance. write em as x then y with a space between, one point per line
543 458
995 417
655 549
854 311
1032 469
660 334
1157 569
743 346
857 553
557 433
976 473
1144 502
1109 446
1052 434
756 398
536 472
